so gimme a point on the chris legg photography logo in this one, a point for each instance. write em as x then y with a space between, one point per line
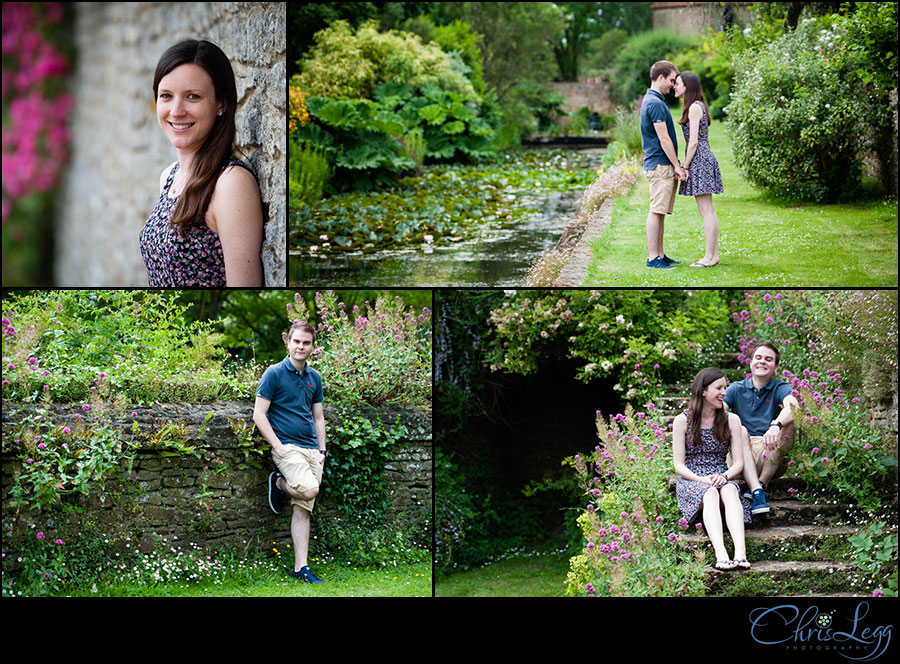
847 633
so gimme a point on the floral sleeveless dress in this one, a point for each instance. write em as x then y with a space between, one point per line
705 177
174 261
705 459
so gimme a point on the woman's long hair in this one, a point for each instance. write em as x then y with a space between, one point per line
692 92
218 148
721 430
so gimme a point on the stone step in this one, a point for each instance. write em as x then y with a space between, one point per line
774 536
825 578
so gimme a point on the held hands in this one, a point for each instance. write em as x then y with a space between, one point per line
681 173
717 479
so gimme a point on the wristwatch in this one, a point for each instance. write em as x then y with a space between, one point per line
323 452
776 423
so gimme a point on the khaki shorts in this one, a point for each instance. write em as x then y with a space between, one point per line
757 448
663 187
302 470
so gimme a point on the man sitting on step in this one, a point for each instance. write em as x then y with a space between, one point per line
764 405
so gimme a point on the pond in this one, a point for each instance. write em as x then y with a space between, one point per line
493 253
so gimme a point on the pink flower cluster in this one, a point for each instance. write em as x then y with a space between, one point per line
35 137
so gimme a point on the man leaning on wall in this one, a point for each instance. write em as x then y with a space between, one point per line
288 413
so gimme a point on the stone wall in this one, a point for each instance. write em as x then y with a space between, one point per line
216 496
694 18
118 150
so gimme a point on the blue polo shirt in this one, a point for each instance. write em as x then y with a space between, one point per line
756 408
292 394
654 109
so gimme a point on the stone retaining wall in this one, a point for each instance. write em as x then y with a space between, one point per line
215 495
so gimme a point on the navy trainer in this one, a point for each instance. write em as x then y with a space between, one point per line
306 574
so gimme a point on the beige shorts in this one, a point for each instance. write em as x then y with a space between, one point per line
663 187
302 470
757 449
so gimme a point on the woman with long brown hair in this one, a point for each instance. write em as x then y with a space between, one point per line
206 228
704 177
702 437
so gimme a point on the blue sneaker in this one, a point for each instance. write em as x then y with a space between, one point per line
669 261
660 263
306 574
759 505
748 496
276 495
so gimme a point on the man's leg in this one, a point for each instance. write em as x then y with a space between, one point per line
774 464
300 536
759 503
751 470
655 224
299 522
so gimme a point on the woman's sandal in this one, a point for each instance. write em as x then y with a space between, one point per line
721 565
742 563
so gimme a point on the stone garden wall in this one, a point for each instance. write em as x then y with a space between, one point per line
117 149
216 496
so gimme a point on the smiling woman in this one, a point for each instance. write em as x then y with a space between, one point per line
206 228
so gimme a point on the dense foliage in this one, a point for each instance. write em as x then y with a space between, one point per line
637 337
799 117
631 520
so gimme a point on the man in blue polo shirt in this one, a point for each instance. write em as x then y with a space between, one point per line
661 165
764 405
288 414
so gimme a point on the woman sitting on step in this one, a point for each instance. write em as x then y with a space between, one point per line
702 437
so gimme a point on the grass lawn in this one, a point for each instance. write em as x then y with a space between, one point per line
763 241
412 580
519 576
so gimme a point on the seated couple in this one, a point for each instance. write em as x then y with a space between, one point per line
711 448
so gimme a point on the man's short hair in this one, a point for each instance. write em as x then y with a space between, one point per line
662 68
770 346
303 326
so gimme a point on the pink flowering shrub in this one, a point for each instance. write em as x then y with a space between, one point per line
630 522
35 136
840 451
839 353
376 354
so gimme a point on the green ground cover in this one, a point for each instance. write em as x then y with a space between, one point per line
523 575
763 241
271 579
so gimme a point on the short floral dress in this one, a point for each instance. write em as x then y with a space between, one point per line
174 261
704 176
705 459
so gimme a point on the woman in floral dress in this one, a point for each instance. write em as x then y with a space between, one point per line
702 437
704 178
207 226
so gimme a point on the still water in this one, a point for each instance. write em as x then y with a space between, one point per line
498 257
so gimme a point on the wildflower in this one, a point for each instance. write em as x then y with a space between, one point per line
40 535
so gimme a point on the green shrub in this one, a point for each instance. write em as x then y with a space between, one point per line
630 521
377 354
626 137
799 117
613 334
309 173
629 72
346 64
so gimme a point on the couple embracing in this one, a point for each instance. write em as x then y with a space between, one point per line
698 174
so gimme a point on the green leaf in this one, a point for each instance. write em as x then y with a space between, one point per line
455 127
433 113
